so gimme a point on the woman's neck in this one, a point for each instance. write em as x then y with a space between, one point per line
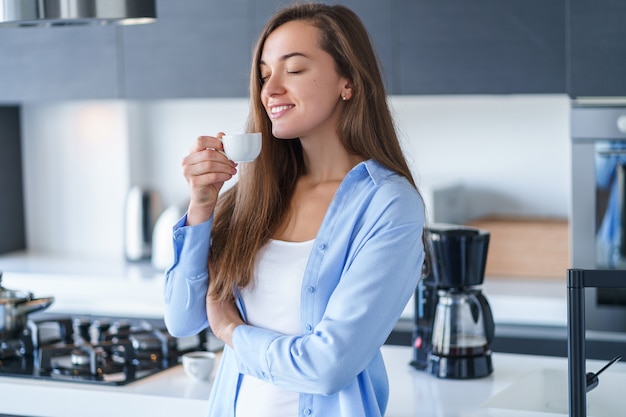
327 160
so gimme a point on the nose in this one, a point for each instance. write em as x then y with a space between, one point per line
272 86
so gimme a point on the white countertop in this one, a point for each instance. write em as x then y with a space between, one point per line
168 393
114 286
412 393
100 287
119 288
520 386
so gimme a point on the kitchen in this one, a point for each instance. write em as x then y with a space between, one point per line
72 134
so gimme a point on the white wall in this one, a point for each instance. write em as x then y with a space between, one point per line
510 152
76 174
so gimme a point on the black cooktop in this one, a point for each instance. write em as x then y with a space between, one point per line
97 350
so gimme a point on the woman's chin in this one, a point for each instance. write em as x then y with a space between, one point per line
281 134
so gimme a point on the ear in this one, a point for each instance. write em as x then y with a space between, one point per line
346 92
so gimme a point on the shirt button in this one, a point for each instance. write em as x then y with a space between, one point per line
310 289
321 246
308 327
307 411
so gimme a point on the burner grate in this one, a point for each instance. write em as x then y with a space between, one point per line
95 350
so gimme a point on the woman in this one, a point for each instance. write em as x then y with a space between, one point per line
305 265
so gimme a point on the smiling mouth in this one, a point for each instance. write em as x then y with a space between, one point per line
278 110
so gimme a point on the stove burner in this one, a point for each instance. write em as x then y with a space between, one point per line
79 357
103 350
20 347
12 349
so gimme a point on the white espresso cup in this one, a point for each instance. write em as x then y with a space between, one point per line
244 147
199 365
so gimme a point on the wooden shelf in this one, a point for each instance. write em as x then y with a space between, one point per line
526 247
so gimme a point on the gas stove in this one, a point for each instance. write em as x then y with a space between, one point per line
97 350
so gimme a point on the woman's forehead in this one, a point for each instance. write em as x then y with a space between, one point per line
295 37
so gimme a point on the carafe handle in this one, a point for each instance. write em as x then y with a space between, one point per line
488 317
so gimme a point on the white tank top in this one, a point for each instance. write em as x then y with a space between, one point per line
272 301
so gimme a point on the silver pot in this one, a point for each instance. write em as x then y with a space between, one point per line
14 309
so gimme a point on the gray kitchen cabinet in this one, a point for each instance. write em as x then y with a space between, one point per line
12 223
597 48
196 48
74 62
479 46
200 48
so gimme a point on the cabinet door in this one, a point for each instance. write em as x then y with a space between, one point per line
597 66
479 46
196 48
73 62
12 225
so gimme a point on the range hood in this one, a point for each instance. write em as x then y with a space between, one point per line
50 13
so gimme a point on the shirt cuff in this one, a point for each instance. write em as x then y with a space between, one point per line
251 345
192 243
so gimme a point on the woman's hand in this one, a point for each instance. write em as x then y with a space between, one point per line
206 169
223 318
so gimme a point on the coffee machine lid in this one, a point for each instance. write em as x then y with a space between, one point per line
458 255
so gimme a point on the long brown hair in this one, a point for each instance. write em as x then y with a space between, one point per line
251 211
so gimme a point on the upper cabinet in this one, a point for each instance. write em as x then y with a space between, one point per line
202 48
597 60
196 48
58 63
478 47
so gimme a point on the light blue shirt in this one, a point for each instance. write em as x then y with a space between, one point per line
362 271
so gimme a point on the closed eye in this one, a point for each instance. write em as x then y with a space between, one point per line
263 78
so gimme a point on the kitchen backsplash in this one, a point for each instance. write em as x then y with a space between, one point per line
510 154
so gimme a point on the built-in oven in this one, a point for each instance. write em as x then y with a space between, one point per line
598 204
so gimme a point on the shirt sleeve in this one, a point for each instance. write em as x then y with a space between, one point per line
375 286
187 280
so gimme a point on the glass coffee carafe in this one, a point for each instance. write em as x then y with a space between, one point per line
463 324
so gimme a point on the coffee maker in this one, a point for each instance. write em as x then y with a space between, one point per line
454 325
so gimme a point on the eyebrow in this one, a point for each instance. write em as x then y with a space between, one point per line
286 57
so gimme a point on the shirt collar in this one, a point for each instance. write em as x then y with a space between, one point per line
374 169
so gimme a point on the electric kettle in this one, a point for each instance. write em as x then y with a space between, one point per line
143 206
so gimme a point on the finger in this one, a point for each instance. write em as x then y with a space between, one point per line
204 155
208 142
216 165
